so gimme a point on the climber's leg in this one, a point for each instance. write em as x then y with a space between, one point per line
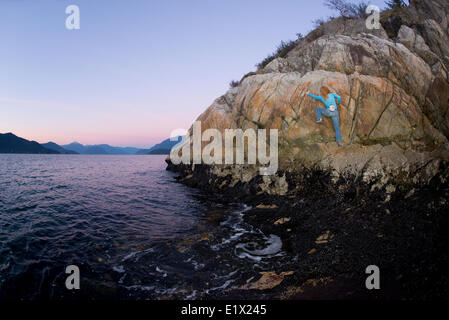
336 123
319 113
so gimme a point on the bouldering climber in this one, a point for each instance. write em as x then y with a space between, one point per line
331 110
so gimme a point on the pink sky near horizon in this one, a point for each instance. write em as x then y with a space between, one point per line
122 126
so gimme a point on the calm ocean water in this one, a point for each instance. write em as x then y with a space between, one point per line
134 232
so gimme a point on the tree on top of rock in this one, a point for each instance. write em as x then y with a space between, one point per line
393 4
347 9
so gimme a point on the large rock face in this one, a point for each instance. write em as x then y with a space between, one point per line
395 97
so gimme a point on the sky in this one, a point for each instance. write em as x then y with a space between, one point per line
135 70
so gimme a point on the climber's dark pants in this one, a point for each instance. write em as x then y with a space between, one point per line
335 120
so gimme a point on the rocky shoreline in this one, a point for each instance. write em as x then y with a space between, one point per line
336 230
381 199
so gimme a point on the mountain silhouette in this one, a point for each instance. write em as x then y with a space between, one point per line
74 146
165 146
55 147
10 143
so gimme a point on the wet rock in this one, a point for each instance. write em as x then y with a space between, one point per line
266 206
311 283
324 238
282 221
188 242
269 280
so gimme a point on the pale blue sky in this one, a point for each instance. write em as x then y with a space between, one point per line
137 69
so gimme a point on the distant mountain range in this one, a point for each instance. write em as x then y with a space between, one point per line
56 147
161 148
10 143
99 149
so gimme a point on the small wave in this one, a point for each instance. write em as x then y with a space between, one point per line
191 296
118 269
223 286
133 254
226 276
142 288
164 274
23 208
273 245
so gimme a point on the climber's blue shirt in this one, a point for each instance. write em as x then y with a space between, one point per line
330 99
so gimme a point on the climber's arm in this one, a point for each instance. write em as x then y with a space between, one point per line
336 96
316 97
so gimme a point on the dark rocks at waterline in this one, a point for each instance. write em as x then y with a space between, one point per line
338 238
333 231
